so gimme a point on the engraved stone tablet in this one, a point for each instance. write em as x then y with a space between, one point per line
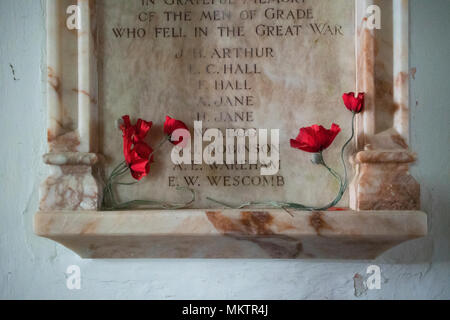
230 64
265 67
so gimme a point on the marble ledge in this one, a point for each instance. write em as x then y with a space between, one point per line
269 234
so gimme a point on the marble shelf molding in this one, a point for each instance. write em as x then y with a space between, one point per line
231 233
383 199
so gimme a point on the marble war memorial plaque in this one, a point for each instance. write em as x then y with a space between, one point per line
258 69
231 64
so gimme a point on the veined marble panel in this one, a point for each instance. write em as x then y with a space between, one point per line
290 65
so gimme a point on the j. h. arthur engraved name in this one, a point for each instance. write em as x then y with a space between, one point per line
231 150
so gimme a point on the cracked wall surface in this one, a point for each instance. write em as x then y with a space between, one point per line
35 268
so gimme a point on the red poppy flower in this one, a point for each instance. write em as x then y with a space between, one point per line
137 153
139 157
136 132
140 160
316 138
171 125
354 104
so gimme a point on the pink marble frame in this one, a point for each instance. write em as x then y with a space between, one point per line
384 197
382 180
